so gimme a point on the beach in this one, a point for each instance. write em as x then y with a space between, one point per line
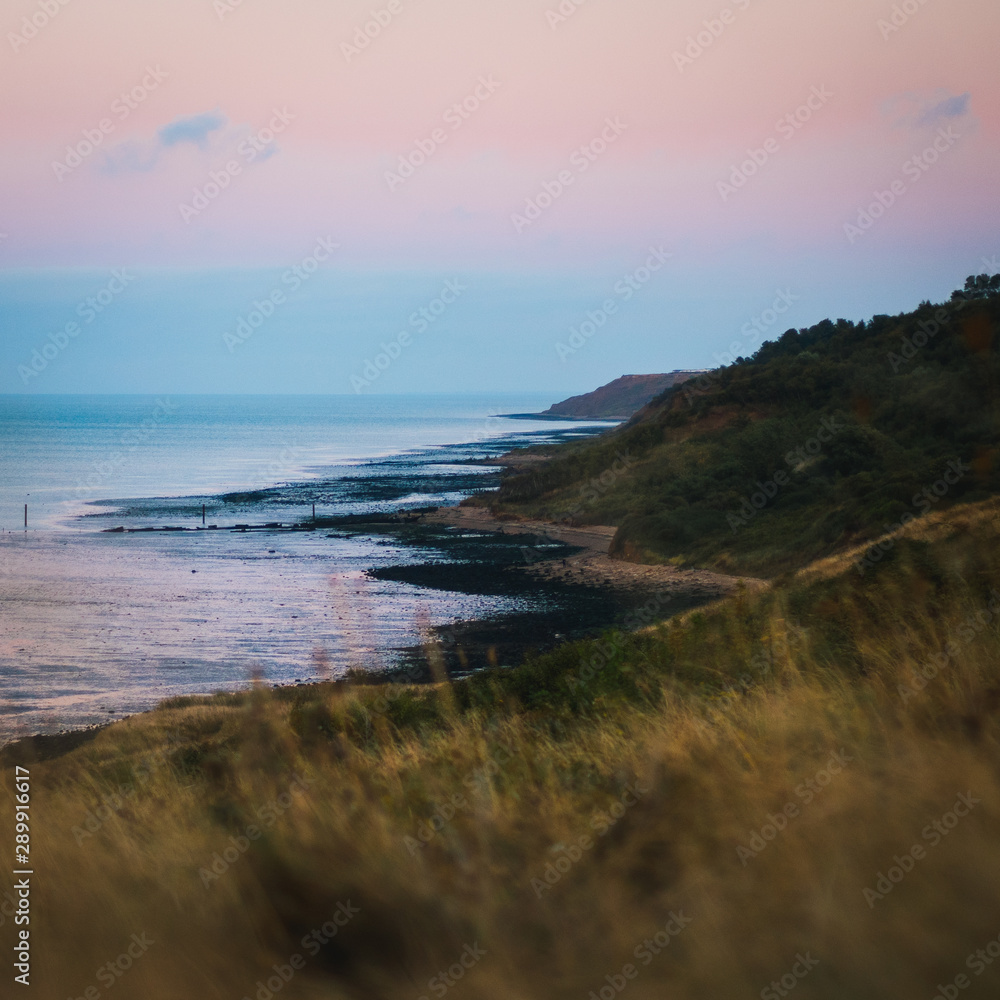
141 586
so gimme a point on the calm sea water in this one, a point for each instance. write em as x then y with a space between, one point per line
58 453
95 625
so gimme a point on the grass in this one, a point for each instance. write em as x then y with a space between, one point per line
556 816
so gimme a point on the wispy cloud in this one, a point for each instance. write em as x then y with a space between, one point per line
921 111
950 107
195 128
132 155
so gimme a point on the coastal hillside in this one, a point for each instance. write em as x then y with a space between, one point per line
620 399
830 436
655 810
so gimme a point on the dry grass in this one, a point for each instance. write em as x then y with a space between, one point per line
705 769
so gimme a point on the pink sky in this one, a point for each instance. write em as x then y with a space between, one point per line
657 182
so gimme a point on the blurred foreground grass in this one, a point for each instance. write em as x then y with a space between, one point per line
732 781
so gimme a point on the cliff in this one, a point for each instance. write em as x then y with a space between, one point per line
620 399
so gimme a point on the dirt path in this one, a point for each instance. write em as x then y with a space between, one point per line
593 565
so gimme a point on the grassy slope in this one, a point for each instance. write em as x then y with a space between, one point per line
719 717
696 456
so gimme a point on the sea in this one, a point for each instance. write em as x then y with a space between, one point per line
135 564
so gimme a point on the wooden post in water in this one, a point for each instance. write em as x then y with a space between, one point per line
314 513
25 517
202 513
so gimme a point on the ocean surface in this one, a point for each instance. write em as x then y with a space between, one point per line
98 623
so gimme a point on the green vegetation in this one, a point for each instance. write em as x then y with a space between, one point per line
837 430
756 768
810 768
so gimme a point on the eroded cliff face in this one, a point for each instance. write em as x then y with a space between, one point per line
620 399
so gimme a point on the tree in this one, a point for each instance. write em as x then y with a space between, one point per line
978 286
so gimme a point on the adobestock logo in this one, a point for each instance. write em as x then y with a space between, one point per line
455 117
697 44
47 9
294 277
913 169
755 329
88 310
624 289
257 145
786 127
421 321
123 105
580 161
900 16
366 33
563 12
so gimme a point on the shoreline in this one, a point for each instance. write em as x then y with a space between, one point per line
608 587
589 567
592 565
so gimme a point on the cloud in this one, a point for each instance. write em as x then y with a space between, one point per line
132 155
195 128
950 107
921 111
211 132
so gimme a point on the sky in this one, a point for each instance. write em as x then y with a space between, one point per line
299 196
